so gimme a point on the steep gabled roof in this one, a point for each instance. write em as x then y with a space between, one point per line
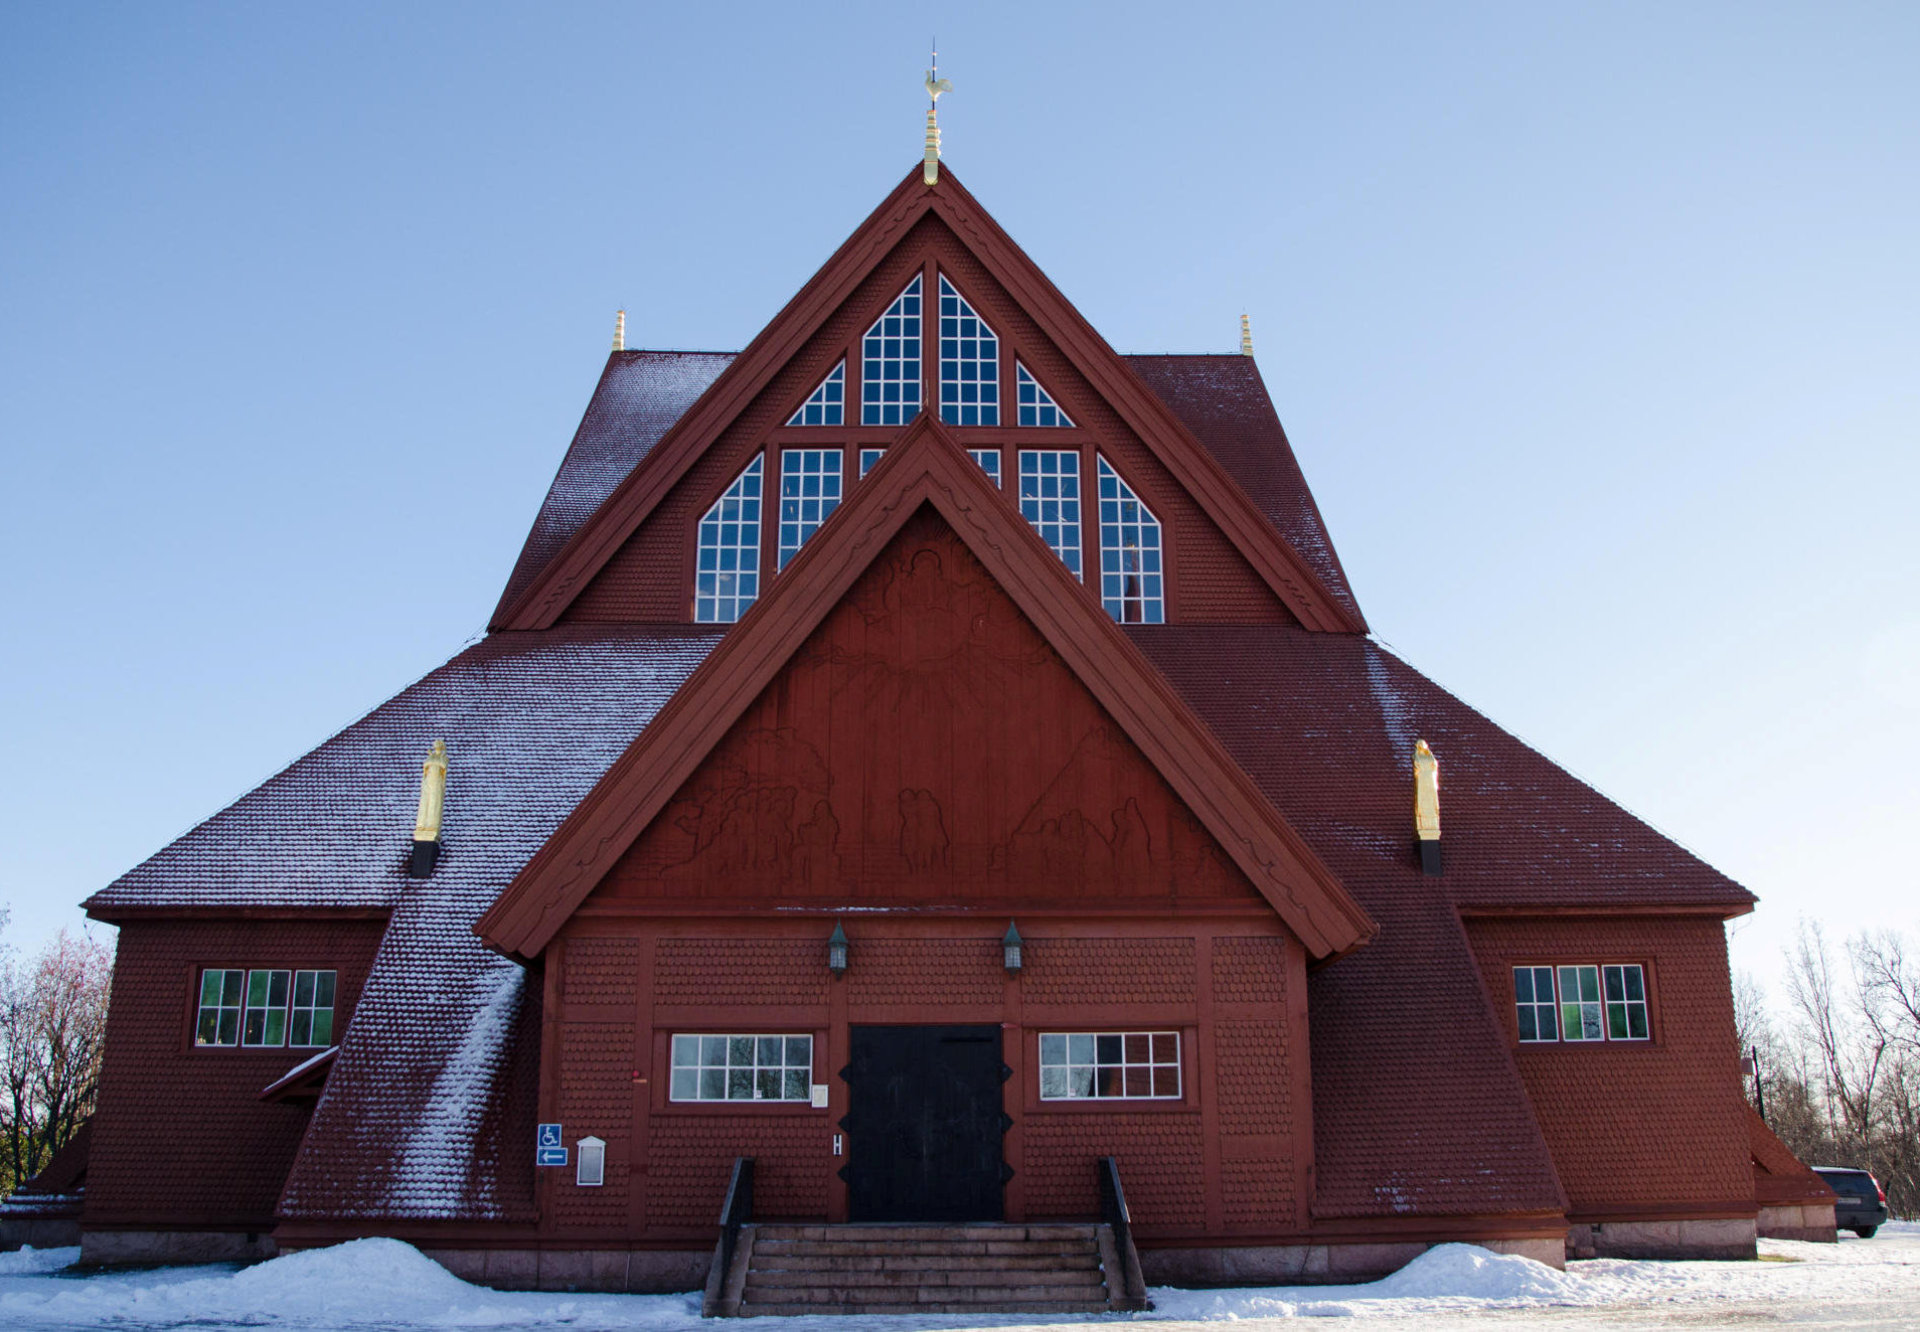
925 466
1291 577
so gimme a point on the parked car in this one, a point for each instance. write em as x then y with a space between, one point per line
1862 1204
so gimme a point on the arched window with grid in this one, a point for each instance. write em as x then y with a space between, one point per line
890 362
726 577
1130 574
969 363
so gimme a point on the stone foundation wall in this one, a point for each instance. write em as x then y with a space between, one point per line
1801 1221
614 1271
141 1248
42 1232
1718 1238
1313 1264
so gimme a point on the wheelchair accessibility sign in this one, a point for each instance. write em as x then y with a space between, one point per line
549 1151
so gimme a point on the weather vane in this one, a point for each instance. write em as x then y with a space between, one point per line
930 167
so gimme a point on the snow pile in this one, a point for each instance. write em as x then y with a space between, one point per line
30 1261
1447 1276
368 1281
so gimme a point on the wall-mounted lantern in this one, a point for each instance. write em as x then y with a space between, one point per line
1010 944
837 951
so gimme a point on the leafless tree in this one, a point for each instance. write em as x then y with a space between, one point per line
53 1023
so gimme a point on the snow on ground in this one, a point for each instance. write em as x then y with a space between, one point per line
389 1286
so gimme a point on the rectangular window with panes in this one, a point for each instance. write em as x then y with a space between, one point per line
1581 1003
264 1008
742 1068
1109 1065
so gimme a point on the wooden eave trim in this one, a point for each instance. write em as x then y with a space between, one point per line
641 491
115 915
924 466
1497 911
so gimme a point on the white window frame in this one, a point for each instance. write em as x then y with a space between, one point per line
1026 386
1080 1066
810 490
969 362
1050 501
725 586
312 1013
1133 568
267 1009
1582 1020
701 1064
229 1003
1533 1005
870 459
1628 1006
827 404
890 359
989 460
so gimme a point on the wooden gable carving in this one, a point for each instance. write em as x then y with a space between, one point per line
926 745
899 229
925 468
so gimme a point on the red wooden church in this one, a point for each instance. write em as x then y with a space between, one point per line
927 768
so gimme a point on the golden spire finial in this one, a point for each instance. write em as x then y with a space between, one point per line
930 164
1246 336
620 330
1426 806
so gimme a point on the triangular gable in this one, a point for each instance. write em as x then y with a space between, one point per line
927 467
596 543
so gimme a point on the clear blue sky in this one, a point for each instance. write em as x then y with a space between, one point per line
1594 328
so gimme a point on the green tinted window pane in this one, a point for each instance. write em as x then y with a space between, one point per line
276 1032
302 1028
323 989
771 1048
739 1084
795 1086
1053 1049
303 988
1617 1022
713 1050
800 1052
256 1028
686 1084
1589 985
1570 1021
208 1032
229 1027
210 988
686 1051
1637 1023
713 1084
257 983
323 1026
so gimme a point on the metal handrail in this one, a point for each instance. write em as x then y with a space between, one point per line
1113 1210
737 1210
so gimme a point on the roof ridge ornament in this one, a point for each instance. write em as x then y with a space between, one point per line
930 165
619 330
433 803
1246 336
1426 806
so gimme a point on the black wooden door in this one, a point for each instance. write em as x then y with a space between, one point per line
923 1124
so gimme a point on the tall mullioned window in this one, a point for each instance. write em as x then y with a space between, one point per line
827 404
267 995
1533 1002
222 996
969 363
264 1008
726 578
1626 995
1580 1003
1050 500
1130 574
809 491
890 362
1035 405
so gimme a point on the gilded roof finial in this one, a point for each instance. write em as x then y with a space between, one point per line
1426 806
620 330
930 165
433 804
1246 336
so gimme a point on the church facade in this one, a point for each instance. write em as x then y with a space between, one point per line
928 755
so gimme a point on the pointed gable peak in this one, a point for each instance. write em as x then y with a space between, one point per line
992 258
926 467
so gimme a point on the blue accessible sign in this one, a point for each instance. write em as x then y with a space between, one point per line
549 1135
549 1152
